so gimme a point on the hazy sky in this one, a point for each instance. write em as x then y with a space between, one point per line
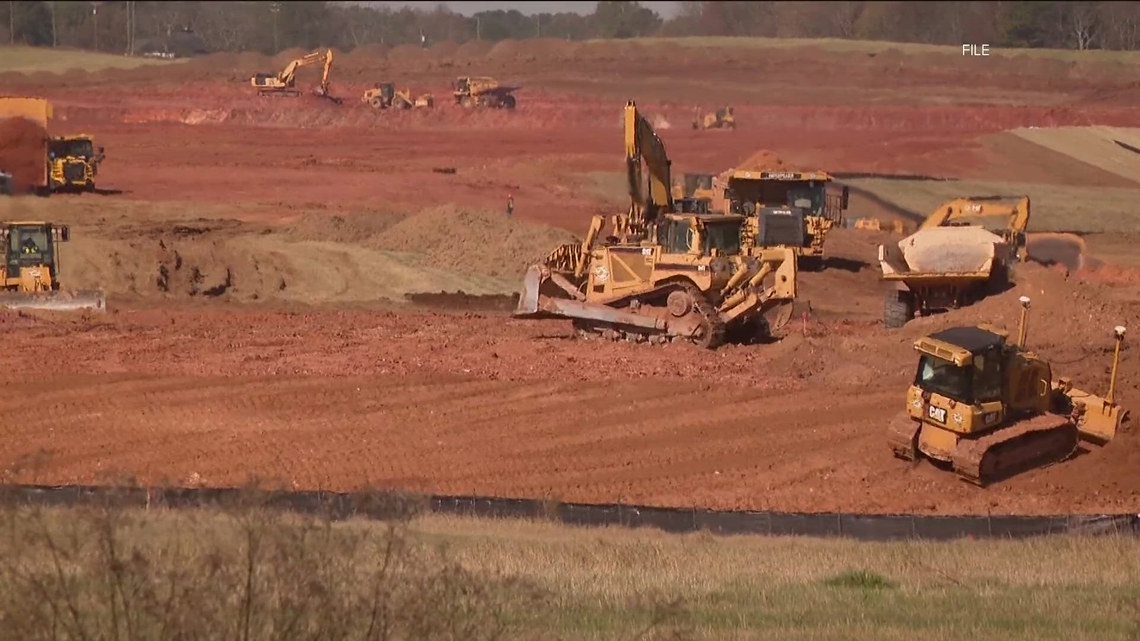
663 9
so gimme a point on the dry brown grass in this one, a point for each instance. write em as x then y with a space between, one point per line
21 59
247 574
1055 207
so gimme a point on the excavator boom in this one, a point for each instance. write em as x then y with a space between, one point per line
283 83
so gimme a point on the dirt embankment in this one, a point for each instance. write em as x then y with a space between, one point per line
317 259
23 145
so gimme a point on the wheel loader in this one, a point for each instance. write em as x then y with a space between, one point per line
384 95
30 272
990 409
662 276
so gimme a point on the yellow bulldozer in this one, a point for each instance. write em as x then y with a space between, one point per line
990 409
284 83
384 95
722 118
30 272
662 275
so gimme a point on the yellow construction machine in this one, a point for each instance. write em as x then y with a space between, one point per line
662 275
73 162
30 272
722 118
52 164
956 257
384 95
783 209
694 193
990 409
284 83
483 91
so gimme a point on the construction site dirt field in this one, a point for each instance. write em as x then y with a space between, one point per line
274 269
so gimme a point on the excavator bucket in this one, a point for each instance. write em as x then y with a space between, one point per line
94 300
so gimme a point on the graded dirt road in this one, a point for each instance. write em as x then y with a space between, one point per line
258 253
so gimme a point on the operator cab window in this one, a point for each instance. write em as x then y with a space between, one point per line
944 377
673 236
724 237
987 376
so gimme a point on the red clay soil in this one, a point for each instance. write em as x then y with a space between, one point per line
22 148
480 403
477 402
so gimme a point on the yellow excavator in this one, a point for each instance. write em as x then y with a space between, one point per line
991 409
30 272
284 83
661 275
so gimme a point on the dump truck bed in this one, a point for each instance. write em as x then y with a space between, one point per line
951 254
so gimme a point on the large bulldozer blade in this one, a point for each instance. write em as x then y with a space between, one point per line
528 297
94 300
785 311
1100 420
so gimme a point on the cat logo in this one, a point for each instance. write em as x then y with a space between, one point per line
936 413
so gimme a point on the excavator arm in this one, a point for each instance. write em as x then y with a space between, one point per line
643 145
285 80
970 211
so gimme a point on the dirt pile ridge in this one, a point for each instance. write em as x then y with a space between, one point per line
21 151
481 242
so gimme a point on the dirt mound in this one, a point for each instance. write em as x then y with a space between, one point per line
472 241
22 152
1068 250
763 160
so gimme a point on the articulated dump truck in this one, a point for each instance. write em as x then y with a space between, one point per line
955 258
663 275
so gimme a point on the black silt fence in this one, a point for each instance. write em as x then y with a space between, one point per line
382 505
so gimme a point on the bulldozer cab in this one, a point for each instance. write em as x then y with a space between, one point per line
964 364
699 234
31 246
387 91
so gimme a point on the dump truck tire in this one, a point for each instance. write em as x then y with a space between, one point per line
896 310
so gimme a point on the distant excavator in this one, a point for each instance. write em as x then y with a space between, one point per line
284 83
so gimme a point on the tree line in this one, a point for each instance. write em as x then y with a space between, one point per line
269 27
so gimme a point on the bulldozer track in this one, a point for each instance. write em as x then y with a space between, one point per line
901 436
712 333
714 329
1036 442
